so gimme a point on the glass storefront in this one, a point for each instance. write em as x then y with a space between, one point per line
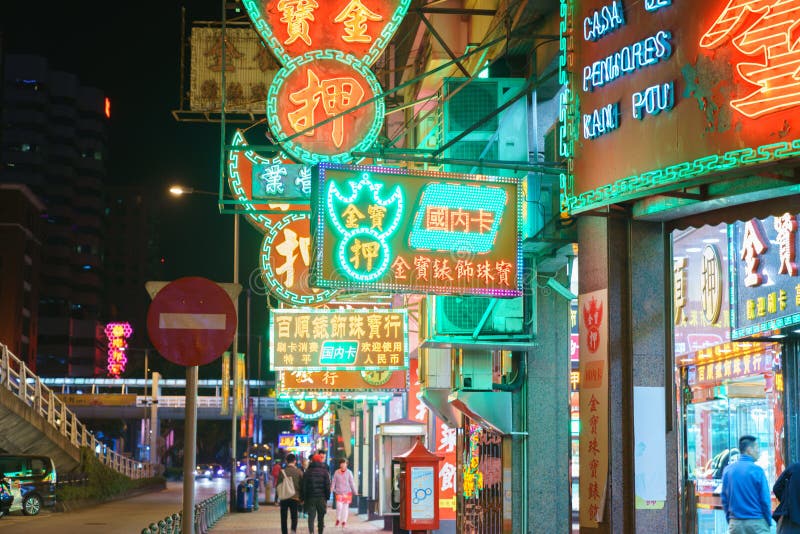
723 408
728 388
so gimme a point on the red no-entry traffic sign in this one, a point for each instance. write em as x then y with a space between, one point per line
191 321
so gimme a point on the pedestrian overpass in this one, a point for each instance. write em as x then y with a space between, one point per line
34 420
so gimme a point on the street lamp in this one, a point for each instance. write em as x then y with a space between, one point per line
177 190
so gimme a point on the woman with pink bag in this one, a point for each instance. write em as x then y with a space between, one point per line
343 487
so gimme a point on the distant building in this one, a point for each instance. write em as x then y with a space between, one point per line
20 260
54 142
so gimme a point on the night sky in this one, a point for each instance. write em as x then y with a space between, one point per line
131 51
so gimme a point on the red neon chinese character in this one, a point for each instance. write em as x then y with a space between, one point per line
423 265
337 95
437 218
763 29
485 220
459 218
752 246
503 269
786 226
442 270
400 268
464 269
485 272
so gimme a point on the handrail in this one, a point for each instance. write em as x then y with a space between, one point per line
206 515
17 378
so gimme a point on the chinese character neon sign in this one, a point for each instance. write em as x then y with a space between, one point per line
117 334
461 236
700 88
265 186
764 31
334 340
326 49
285 260
764 275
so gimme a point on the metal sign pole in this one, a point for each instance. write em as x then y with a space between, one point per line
189 449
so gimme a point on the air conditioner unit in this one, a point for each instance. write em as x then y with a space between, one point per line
461 316
503 137
474 372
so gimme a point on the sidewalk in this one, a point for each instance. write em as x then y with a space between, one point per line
267 520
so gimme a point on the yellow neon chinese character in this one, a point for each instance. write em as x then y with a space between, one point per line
374 322
301 326
354 16
367 250
400 268
284 324
338 326
319 327
296 14
376 214
356 326
351 216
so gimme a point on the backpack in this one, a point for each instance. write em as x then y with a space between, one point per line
285 487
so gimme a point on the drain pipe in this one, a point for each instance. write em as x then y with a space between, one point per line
519 378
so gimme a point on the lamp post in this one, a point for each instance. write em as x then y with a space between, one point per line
178 190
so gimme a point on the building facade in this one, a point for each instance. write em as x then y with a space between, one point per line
54 142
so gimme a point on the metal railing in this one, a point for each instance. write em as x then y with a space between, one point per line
206 515
22 382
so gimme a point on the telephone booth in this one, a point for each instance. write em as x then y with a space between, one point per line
419 488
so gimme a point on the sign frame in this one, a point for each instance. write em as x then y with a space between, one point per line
273 341
401 231
710 136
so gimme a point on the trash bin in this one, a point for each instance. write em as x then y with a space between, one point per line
256 484
244 497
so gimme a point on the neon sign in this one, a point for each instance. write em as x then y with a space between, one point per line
462 236
308 410
764 275
285 259
335 340
250 175
763 30
117 334
326 49
678 58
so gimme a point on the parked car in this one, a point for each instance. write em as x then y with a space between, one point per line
32 481
6 499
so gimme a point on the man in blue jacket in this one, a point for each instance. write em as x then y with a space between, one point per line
745 492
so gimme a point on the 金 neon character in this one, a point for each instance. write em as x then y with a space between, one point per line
354 17
296 14
336 94
753 246
765 29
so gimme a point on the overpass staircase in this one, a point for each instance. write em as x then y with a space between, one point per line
33 420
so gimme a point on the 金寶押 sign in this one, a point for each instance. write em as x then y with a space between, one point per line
381 228
329 340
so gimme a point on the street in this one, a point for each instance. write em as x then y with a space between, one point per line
125 515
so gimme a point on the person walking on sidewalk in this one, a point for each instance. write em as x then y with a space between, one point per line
316 490
291 504
343 487
745 492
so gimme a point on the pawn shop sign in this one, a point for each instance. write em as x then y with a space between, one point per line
192 320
